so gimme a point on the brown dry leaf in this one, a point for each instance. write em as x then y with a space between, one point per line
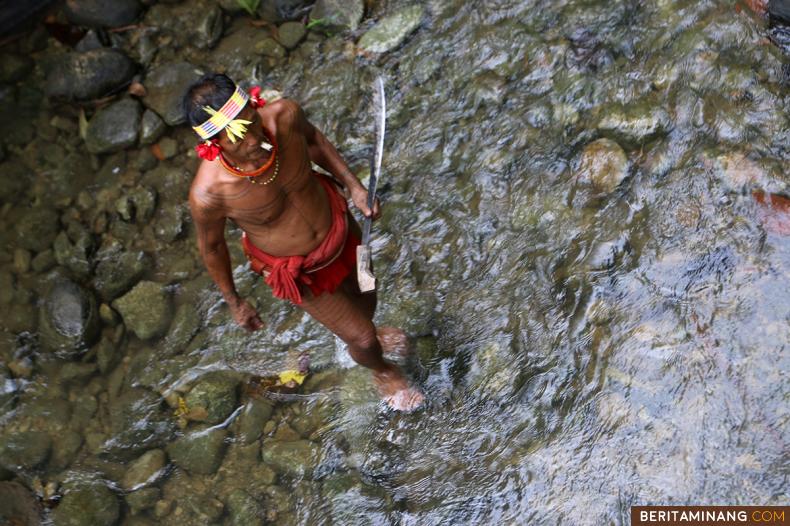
137 89
157 151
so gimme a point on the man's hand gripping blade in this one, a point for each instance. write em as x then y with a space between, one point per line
365 277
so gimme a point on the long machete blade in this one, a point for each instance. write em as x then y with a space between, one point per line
365 277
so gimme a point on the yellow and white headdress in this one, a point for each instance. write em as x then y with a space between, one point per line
225 118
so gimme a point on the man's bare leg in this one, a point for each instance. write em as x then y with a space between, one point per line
348 314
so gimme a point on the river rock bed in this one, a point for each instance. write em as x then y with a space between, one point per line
585 234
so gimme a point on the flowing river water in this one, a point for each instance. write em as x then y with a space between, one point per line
583 346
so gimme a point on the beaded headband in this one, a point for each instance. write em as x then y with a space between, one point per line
225 118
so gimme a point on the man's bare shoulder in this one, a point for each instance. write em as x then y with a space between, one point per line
203 194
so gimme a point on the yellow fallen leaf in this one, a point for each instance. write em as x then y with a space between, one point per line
291 375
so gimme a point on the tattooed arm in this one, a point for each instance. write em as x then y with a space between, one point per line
210 226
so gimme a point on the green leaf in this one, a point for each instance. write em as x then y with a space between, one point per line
315 23
251 6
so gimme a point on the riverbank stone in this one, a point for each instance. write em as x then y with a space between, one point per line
603 164
144 470
295 458
24 450
166 85
37 228
213 398
337 15
290 34
146 310
68 319
114 128
200 451
392 30
87 503
89 75
102 13
116 274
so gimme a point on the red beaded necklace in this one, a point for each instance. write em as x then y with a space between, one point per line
273 159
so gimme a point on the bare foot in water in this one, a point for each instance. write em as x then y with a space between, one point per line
393 341
396 391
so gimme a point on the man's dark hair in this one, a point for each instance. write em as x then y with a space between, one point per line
213 90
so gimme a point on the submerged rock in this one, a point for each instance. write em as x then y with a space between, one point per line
87 503
138 422
89 75
603 164
338 14
18 505
146 310
68 319
200 451
140 500
114 128
296 458
244 510
166 86
118 273
290 34
151 128
252 419
635 124
144 470
391 31
102 13
213 398
37 228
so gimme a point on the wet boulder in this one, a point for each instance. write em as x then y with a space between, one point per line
244 510
200 451
37 229
87 503
296 458
76 255
337 15
213 398
68 319
186 324
138 422
252 419
166 86
18 505
239 54
603 164
634 124
102 13
117 273
290 34
392 30
146 310
114 128
89 75
197 23
780 9
24 450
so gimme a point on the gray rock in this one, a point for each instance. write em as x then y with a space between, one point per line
24 450
89 75
143 499
72 371
74 256
244 510
200 451
269 47
89 503
252 419
603 164
186 324
166 86
151 128
297 458
146 310
15 180
197 23
14 67
236 54
68 319
277 11
780 9
144 470
168 147
37 228
213 398
338 14
391 31
290 34
171 223
43 261
114 128
118 273
137 205
102 13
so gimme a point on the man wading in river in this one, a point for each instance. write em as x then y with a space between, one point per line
298 232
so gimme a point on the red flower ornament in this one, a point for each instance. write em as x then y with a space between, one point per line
208 150
255 97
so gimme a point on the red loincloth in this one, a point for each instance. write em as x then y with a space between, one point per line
323 269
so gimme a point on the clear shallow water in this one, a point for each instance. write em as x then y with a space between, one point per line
582 351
